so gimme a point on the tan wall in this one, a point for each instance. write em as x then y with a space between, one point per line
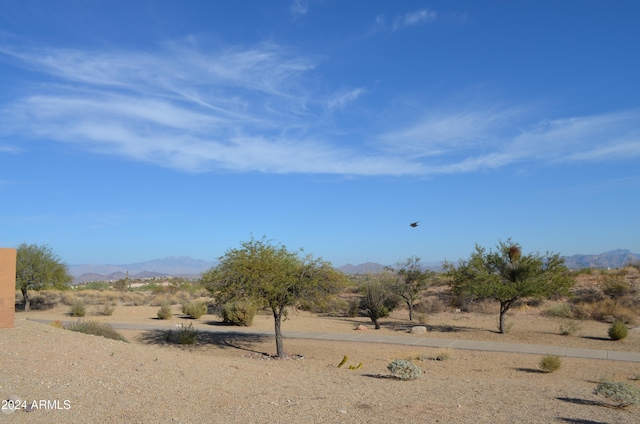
7 287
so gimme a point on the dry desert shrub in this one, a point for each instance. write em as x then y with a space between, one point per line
562 310
194 310
41 303
96 328
186 335
68 298
182 296
239 313
133 298
550 363
165 311
622 394
159 300
78 308
405 370
609 311
106 310
569 326
431 305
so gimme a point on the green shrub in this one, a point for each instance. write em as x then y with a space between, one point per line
623 394
78 308
550 363
194 309
96 328
165 311
239 313
187 335
405 370
618 331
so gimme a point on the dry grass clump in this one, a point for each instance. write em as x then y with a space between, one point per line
134 298
160 299
97 329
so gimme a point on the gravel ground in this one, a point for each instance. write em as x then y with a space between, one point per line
74 377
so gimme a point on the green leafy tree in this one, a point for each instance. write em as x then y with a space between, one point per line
506 275
411 281
38 268
273 277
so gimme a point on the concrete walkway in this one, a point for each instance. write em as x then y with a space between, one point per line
366 337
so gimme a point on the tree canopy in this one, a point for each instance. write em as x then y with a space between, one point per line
506 275
273 277
38 268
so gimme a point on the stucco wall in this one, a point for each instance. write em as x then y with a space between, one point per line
7 287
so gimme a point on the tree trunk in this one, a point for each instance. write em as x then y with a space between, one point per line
377 324
27 301
277 317
504 307
410 304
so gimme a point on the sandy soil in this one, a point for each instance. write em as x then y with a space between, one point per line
74 377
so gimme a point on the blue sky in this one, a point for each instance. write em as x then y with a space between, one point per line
134 130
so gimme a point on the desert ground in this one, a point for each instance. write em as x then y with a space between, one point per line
231 378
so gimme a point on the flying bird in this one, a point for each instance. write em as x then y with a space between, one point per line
415 224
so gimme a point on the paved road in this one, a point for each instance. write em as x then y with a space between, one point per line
366 337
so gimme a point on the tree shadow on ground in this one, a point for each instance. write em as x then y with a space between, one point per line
606 339
579 421
579 401
234 340
381 376
530 370
450 328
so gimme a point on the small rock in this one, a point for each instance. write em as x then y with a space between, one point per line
361 327
418 329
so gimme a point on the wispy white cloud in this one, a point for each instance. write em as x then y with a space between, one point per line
299 7
9 149
257 109
414 18
339 100
489 138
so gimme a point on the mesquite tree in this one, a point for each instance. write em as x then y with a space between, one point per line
38 268
272 277
410 281
506 275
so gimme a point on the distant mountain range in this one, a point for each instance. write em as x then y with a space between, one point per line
182 266
185 266
613 259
